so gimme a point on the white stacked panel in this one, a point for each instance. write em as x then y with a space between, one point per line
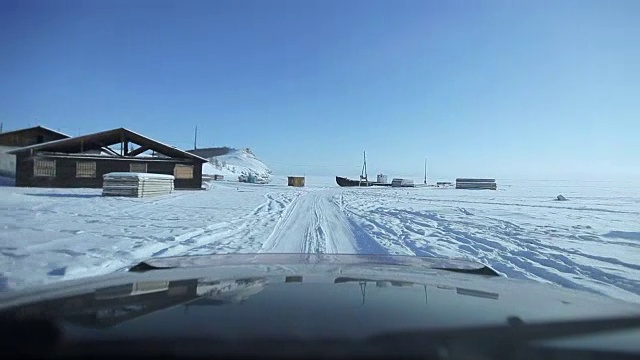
137 184
400 182
470 183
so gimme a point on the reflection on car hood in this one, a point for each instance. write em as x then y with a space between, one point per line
305 258
305 296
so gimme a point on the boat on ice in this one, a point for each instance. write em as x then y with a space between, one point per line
343 181
364 179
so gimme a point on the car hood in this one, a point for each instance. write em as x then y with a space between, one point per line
306 296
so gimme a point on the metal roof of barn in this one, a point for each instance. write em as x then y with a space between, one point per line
102 141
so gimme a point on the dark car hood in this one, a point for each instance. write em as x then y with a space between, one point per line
306 296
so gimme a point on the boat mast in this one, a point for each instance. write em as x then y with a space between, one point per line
363 174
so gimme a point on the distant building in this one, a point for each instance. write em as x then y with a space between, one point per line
15 139
82 161
382 179
30 136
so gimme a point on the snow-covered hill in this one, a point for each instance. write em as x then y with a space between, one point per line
236 162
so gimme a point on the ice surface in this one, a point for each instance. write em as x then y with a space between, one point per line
590 242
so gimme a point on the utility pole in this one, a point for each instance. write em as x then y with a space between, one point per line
425 171
195 139
366 177
1 127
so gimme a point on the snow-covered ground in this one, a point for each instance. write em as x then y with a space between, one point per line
590 242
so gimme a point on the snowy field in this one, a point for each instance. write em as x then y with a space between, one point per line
591 242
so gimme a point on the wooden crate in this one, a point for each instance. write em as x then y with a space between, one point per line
297 181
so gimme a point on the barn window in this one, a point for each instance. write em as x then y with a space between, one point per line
44 167
138 167
183 171
86 169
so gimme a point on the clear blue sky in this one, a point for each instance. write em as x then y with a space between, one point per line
521 89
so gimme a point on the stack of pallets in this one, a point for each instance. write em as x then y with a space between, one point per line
400 182
465 183
136 184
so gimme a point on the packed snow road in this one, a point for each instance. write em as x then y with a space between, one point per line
314 223
591 242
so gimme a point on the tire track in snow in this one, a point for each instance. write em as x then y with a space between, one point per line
314 224
315 240
241 235
72 240
514 250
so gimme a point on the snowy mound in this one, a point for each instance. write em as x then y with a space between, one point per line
236 162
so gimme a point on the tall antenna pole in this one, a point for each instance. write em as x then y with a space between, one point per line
366 177
425 171
195 139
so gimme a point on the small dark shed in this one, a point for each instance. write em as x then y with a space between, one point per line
82 161
297 181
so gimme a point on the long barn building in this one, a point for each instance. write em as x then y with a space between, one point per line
82 161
